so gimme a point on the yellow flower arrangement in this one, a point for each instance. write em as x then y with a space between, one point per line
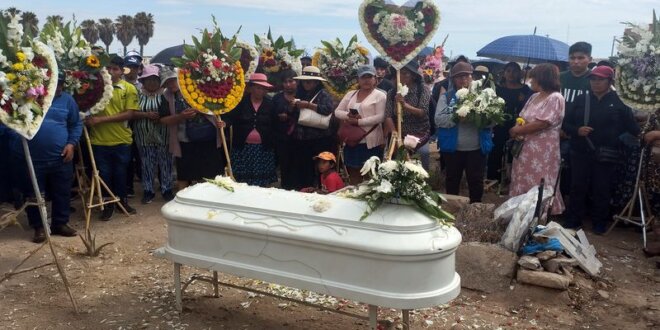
92 61
218 106
20 56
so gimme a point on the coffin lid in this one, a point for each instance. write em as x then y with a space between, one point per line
301 206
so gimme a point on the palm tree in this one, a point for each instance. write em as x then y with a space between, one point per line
106 32
30 23
55 20
125 31
144 28
90 31
13 11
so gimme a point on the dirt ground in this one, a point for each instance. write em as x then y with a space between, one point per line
126 287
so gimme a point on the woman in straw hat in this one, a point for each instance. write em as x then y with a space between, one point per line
310 141
252 151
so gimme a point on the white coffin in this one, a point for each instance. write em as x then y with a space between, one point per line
396 258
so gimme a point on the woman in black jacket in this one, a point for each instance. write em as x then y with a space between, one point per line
252 152
595 148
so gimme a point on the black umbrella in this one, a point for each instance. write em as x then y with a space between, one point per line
165 55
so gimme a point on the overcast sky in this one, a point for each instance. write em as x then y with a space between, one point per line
470 24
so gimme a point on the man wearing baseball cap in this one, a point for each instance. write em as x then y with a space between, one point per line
595 122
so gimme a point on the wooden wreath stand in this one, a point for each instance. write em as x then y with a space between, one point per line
225 148
396 139
96 184
41 203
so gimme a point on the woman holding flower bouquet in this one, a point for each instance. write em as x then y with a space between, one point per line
463 144
414 98
538 130
364 110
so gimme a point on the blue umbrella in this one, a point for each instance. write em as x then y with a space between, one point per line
165 55
526 48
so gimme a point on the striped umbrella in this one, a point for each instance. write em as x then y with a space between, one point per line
526 48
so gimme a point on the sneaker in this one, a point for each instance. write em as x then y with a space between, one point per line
129 209
168 195
63 230
108 212
39 235
148 197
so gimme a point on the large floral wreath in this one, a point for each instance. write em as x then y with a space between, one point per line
276 56
28 78
211 77
87 79
339 64
638 70
249 58
398 33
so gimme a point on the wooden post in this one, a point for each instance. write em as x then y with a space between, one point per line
226 149
373 317
44 221
399 112
177 286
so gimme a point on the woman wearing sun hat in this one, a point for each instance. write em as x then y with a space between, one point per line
150 137
310 141
252 149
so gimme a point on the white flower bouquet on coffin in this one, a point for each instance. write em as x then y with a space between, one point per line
28 78
638 69
478 105
402 181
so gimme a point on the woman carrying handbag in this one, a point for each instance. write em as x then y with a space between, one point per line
362 112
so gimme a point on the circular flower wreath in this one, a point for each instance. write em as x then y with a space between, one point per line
638 70
249 58
215 97
211 78
339 65
87 79
28 82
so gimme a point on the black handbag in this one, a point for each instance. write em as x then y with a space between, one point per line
603 154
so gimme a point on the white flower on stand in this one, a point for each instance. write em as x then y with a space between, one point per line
411 141
463 111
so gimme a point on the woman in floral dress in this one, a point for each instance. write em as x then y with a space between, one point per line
539 157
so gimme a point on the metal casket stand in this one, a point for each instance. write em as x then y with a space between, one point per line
395 258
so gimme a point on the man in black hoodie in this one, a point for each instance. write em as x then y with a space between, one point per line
595 147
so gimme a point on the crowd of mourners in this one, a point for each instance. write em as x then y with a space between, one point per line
568 128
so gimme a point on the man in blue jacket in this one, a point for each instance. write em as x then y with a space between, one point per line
52 152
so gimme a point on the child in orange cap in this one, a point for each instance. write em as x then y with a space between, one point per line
330 179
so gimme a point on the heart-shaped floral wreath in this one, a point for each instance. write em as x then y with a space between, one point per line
399 32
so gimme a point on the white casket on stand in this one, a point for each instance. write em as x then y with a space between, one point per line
397 257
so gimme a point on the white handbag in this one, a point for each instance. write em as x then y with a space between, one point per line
311 118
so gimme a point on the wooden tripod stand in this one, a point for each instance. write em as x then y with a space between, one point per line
96 185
